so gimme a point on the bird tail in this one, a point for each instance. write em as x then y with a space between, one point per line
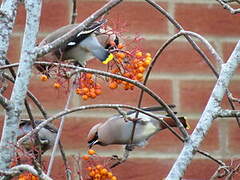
184 121
153 109
171 122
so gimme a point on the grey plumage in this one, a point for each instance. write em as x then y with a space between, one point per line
86 45
116 130
46 135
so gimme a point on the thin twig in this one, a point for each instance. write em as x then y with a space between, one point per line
74 11
59 132
63 39
107 74
95 106
31 96
228 7
194 45
4 102
25 167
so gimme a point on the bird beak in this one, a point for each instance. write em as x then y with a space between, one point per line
91 144
108 59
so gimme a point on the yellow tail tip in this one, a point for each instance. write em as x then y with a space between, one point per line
108 59
188 125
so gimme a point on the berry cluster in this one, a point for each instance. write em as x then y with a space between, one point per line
97 171
88 88
129 66
27 176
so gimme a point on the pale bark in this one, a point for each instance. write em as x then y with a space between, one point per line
9 133
210 113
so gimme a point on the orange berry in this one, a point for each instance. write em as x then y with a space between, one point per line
56 85
85 157
124 82
103 177
131 85
92 89
97 176
120 46
34 177
148 55
92 173
79 91
98 91
93 95
114 178
84 97
146 63
91 152
114 71
104 171
118 55
99 166
43 77
139 76
148 59
89 168
140 63
113 85
85 90
126 87
109 174
118 81
141 69
89 75
127 74
138 54
135 61
122 55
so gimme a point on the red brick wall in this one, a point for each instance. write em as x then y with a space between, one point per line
180 77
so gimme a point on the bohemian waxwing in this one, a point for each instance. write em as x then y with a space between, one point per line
46 136
116 130
87 44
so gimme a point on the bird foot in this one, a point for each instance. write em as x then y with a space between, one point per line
129 147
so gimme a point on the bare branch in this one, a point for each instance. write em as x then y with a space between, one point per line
194 45
228 7
209 114
26 167
9 134
31 96
60 128
56 44
4 102
95 106
107 74
74 11
228 113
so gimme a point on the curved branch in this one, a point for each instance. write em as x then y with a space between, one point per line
95 106
25 167
194 45
31 96
107 74
63 39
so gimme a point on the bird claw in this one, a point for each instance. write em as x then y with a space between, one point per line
129 147
115 157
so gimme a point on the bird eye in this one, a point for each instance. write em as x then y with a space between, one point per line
94 139
112 44
116 41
